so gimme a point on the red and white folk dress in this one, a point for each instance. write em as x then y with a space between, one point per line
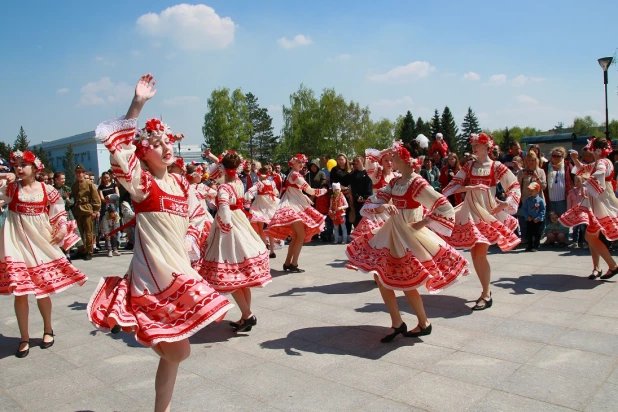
234 256
265 201
600 209
337 208
375 171
402 257
29 263
201 192
474 222
161 297
296 207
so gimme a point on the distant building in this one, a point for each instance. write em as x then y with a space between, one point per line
92 154
87 150
548 142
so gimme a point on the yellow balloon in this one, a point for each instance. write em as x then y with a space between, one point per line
330 164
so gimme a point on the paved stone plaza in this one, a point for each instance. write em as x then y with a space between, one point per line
549 343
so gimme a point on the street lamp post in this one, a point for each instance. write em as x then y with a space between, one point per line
605 62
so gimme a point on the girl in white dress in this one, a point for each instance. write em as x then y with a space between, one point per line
265 198
161 298
379 167
599 210
235 258
31 262
194 176
482 219
404 254
294 216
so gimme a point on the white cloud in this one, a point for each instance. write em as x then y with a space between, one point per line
521 80
190 27
62 90
471 76
179 100
341 57
410 72
392 103
104 91
136 53
522 98
297 41
496 79
449 75
103 60
274 108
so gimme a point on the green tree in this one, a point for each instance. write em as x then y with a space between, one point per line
559 128
449 128
42 155
613 129
436 126
379 135
407 132
265 140
226 124
469 126
5 150
506 140
585 126
302 131
21 142
253 111
68 163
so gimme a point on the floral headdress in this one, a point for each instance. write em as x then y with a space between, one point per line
404 154
28 157
599 152
181 164
299 158
482 138
156 129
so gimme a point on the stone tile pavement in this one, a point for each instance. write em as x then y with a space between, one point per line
550 343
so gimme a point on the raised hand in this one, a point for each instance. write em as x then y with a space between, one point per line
144 90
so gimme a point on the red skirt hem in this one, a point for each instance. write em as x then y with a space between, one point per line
281 224
228 277
467 235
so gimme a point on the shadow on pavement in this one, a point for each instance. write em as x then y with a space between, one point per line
342 288
527 284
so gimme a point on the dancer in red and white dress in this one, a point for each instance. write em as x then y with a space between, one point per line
336 212
161 298
599 209
265 201
404 254
31 262
482 219
379 167
294 216
235 258
194 176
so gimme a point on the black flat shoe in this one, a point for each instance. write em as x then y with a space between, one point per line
22 353
47 345
487 305
286 268
397 331
610 274
295 269
422 332
272 255
595 274
116 329
247 324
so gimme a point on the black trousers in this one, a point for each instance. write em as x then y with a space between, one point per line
533 233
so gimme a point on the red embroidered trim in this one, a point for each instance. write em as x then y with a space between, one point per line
469 234
281 223
226 277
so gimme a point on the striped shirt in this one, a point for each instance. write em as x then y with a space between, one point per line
556 184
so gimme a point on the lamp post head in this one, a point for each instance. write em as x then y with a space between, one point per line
605 62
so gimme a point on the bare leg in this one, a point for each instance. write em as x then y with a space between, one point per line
243 305
599 249
482 268
297 242
45 307
390 300
290 254
172 353
247 292
22 311
551 238
416 301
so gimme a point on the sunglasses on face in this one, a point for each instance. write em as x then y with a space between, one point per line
556 155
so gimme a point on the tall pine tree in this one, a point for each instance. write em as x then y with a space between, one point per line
21 142
265 140
408 128
253 109
69 166
436 126
5 150
449 129
507 139
470 125
42 155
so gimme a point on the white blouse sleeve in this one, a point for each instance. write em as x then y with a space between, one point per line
197 218
252 193
595 185
224 213
381 197
299 180
372 165
510 185
5 195
457 181
438 210
57 211
118 136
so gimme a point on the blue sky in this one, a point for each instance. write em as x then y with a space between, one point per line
69 65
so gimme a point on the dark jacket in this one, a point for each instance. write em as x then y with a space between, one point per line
360 185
